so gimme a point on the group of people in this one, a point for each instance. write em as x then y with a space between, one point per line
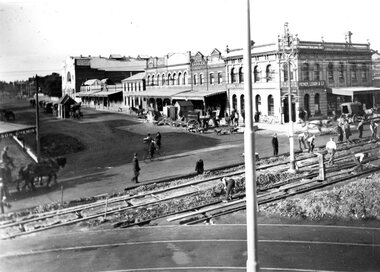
307 141
153 145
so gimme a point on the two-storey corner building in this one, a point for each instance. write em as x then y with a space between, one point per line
77 70
265 81
323 75
331 73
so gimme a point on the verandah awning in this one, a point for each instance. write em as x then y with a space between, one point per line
197 95
350 91
11 129
104 93
157 93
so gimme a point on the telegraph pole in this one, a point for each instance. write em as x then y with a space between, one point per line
288 51
37 122
249 154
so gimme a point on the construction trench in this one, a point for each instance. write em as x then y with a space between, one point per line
199 198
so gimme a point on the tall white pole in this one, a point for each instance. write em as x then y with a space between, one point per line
249 155
292 160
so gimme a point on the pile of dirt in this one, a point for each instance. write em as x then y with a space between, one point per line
358 200
57 144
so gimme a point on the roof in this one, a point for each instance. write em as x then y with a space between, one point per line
66 99
350 91
104 93
197 95
138 76
11 129
157 93
91 82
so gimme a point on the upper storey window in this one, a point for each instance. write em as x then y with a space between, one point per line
305 72
330 72
317 72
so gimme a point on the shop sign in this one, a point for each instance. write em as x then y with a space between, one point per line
311 84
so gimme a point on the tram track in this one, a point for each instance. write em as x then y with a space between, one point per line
124 204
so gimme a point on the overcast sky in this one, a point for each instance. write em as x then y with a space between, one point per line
36 35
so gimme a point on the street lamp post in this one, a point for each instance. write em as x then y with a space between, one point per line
287 44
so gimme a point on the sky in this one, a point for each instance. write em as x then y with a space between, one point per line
36 36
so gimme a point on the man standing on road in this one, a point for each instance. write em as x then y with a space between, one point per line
229 186
158 142
373 126
136 168
275 144
331 149
360 128
6 159
199 167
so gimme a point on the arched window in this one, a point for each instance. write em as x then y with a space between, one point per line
241 75
200 79
148 81
234 101
159 104
174 79
220 78
330 72
169 79
68 79
158 80
316 104
195 79
256 74
341 72
270 105
242 105
269 73
305 72
212 78
233 76
353 73
179 82
152 82
306 103
163 80
317 74
258 102
185 78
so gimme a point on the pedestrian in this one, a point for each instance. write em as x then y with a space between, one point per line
331 149
232 117
311 144
236 118
152 149
360 128
6 159
358 159
275 144
199 167
301 139
373 127
229 186
340 133
136 168
347 130
158 142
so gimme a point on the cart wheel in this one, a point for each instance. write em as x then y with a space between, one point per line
193 124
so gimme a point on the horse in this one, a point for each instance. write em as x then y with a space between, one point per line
7 115
46 168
